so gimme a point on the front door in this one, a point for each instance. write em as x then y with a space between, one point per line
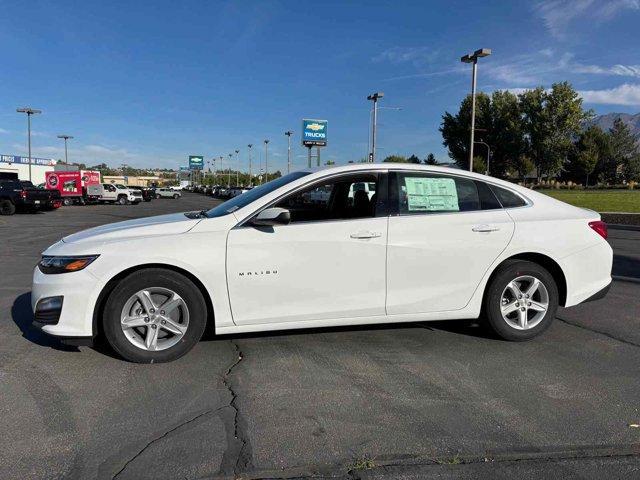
328 263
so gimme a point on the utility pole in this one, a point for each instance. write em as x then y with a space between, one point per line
473 59
29 111
221 169
229 171
288 134
66 156
250 176
374 97
266 160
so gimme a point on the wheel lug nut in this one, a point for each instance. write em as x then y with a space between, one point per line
529 303
163 322
161 312
154 326
146 319
523 309
519 296
517 304
152 310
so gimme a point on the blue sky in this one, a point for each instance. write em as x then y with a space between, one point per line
148 83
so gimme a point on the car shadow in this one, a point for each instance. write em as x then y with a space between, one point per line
22 316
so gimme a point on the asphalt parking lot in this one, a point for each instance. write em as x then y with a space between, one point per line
425 400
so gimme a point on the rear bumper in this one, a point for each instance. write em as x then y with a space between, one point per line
587 273
599 295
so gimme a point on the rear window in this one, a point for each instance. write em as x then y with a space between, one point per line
508 199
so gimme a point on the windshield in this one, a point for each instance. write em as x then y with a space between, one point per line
254 194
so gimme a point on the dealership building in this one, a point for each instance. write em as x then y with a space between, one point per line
20 166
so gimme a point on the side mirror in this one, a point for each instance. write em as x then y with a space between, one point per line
272 216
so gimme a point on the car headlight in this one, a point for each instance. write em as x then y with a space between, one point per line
64 264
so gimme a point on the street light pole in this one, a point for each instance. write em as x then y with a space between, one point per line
65 137
374 97
266 160
250 177
288 134
488 154
238 168
473 59
229 171
29 111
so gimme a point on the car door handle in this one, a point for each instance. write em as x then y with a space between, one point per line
366 235
485 228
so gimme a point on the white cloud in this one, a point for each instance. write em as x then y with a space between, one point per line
415 55
627 94
558 14
3 131
535 70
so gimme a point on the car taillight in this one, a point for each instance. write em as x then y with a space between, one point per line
600 228
23 194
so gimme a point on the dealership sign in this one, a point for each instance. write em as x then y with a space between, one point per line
314 132
196 162
47 162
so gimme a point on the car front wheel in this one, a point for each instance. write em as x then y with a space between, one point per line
521 301
154 316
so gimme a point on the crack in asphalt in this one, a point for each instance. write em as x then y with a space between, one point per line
237 457
160 437
238 454
589 329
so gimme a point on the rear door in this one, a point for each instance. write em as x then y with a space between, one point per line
444 233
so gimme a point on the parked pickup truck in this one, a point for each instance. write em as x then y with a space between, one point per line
16 194
113 193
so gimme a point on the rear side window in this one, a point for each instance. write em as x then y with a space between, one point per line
508 199
428 193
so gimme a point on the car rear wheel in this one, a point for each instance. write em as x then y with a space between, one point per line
7 207
176 196
521 301
67 202
122 200
154 316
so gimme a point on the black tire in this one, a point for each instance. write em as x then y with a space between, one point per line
149 278
176 196
158 197
67 202
7 207
493 300
122 200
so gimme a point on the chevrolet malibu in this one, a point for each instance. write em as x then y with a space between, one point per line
385 243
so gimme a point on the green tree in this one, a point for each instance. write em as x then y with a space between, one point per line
551 120
395 159
455 129
624 162
413 159
431 159
590 149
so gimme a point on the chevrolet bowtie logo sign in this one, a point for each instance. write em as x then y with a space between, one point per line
314 132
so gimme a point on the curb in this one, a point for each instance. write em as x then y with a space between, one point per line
616 226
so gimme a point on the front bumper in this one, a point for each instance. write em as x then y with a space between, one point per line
80 292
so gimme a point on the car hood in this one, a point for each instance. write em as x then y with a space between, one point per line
172 224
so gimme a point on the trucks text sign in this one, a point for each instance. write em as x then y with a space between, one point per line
196 162
314 132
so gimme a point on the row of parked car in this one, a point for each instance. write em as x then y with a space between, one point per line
218 191
22 195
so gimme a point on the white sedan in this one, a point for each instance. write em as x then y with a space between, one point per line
429 244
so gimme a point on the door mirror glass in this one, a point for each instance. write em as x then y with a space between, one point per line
272 216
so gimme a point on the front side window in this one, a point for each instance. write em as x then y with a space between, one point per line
252 195
431 193
344 197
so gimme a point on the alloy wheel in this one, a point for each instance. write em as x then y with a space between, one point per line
154 319
524 302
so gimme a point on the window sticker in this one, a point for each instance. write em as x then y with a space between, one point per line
431 194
